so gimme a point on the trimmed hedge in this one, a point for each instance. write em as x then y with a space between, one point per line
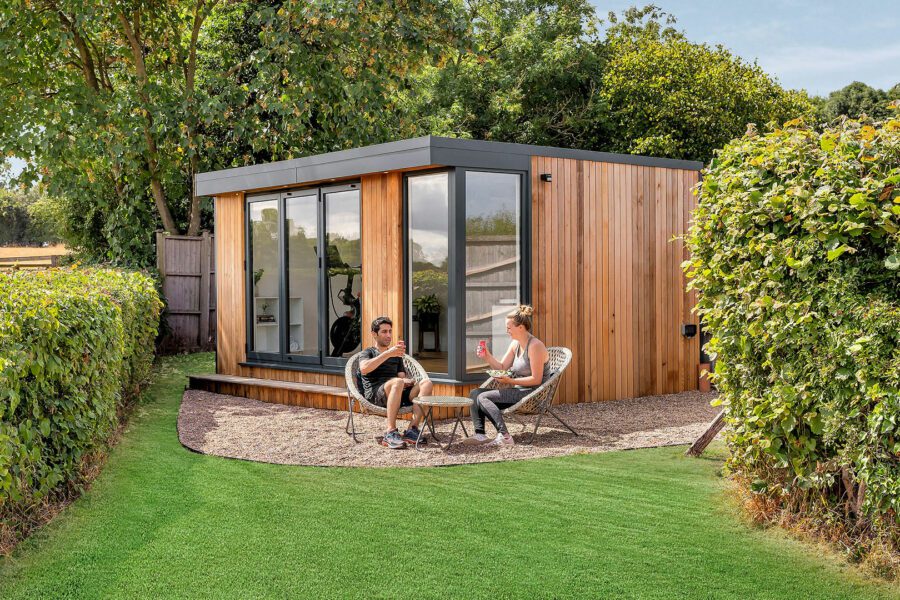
74 344
796 256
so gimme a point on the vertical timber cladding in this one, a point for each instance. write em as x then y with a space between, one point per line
231 313
382 251
607 279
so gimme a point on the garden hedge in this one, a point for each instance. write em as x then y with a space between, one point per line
74 344
796 256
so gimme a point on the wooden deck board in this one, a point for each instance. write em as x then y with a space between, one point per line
268 383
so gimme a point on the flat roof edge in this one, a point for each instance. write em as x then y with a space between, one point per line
404 154
555 152
299 171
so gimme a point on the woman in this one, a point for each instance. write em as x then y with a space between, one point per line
528 361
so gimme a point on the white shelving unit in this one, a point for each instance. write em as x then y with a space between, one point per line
266 328
295 315
265 331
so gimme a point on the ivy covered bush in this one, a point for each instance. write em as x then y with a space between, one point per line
74 344
796 255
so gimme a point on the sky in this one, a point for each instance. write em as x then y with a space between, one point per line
817 46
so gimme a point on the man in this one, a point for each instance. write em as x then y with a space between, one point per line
386 384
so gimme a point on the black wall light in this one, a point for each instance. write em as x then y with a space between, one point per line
688 330
547 177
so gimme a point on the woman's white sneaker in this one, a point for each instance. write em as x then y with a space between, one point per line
503 440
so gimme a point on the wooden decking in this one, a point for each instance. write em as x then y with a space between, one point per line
269 390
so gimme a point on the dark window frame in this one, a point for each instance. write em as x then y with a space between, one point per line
456 293
283 359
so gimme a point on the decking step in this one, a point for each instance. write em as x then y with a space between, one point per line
201 382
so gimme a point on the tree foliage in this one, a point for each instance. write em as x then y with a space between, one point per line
857 99
29 218
118 104
528 74
796 256
667 96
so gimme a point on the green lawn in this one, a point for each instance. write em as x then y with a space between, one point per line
164 522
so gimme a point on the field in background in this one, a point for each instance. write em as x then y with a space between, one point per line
31 256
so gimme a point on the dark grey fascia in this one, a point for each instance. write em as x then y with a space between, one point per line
406 154
462 149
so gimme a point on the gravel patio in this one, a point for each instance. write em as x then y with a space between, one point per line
247 429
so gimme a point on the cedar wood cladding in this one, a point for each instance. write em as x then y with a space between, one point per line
606 278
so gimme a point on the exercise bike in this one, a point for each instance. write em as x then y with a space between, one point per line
345 333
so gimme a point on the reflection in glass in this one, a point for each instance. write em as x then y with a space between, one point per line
301 227
428 256
493 261
265 266
343 264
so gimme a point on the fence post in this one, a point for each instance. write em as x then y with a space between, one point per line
161 257
204 289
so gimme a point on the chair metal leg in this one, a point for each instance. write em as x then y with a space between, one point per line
536 425
350 427
567 426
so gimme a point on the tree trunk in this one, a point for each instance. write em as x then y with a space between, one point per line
703 441
151 159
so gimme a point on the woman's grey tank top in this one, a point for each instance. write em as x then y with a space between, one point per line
521 366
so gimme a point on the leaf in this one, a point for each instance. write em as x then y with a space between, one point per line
837 252
858 200
759 485
815 424
892 262
827 143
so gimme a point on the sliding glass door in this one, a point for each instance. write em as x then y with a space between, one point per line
304 276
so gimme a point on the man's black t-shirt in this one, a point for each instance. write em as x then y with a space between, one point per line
381 375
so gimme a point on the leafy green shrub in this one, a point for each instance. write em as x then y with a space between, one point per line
796 255
74 344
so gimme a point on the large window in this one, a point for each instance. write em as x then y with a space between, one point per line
429 255
304 308
493 260
464 266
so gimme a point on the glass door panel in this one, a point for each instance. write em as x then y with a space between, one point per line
493 260
429 252
302 235
265 262
343 273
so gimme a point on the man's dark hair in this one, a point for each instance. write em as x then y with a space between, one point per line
377 323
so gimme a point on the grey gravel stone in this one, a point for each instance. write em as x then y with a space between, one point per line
259 431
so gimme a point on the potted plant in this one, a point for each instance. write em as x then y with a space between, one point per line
428 309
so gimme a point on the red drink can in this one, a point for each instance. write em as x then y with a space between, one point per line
482 348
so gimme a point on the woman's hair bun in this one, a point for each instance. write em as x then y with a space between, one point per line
525 310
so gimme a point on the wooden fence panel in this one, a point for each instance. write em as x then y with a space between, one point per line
187 271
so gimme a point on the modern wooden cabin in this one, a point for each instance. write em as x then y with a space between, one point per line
445 236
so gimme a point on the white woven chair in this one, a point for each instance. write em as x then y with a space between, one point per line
355 396
540 400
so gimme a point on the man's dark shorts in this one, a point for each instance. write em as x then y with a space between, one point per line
380 397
